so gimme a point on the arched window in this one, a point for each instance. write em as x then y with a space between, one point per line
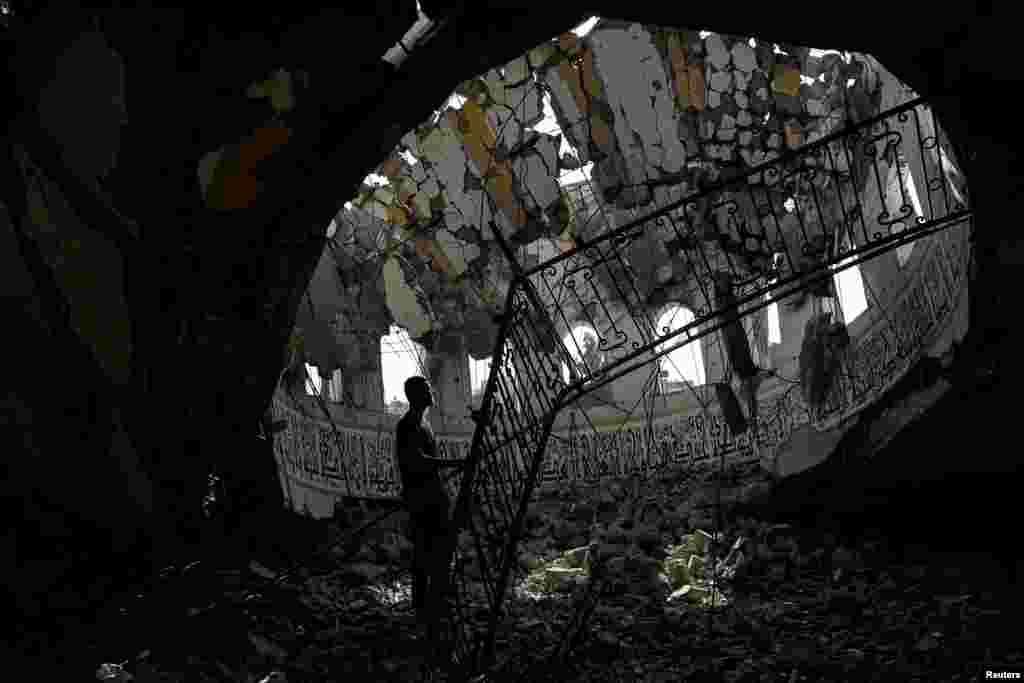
685 364
480 372
582 344
313 382
772 315
401 358
334 391
850 290
894 201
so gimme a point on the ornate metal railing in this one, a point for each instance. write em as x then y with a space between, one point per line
784 227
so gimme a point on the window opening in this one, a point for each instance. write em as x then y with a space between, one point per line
685 364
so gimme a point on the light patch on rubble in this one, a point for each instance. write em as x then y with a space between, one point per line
393 593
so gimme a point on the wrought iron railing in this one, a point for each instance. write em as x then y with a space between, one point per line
742 228
783 227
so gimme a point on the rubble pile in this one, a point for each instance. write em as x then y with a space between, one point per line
681 598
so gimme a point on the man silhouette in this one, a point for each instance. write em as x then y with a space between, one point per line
425 498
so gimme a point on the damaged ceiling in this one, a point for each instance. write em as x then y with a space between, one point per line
416 246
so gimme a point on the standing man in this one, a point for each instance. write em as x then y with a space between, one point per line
424 498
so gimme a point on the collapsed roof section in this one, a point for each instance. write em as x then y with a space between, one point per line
640 115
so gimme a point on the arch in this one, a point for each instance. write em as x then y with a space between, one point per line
772 318
582 343
900 175
313 382
401 358
685 364
479 372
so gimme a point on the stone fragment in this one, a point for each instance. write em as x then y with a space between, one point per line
741 80
744 57
742 101
721 80
718 55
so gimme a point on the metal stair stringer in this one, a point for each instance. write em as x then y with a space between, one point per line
520 403
783 227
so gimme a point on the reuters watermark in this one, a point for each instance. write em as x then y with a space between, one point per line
1002 675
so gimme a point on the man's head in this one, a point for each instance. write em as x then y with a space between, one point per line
417 391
